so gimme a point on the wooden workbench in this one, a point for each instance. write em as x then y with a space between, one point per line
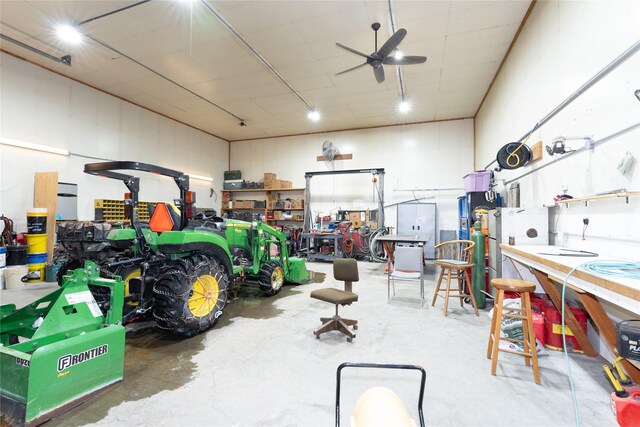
551 270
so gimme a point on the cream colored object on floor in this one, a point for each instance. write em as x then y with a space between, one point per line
13 276
380 407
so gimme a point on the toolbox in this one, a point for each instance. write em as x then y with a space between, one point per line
233 184
629 339
232 175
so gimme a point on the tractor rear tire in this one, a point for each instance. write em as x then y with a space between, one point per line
271 278
190 294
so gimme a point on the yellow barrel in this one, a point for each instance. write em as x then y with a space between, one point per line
37 221
36 243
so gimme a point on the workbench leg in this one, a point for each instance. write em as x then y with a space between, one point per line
569 318
607 330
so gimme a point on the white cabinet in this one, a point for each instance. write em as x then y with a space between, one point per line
418 219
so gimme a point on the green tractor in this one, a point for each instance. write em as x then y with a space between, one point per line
180 270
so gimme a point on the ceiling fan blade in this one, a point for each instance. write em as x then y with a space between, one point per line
379 73
350 69
405 60
392 43
352 50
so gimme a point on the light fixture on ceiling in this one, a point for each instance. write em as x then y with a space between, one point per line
637 93
314 115
69 34
242 123
398 55
200 177
404 107
32 146
259 57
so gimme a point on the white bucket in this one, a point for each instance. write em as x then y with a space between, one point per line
13 276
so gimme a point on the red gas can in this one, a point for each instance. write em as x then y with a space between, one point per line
553 327
627 409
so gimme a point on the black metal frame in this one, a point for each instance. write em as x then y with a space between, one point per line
105 169
381 366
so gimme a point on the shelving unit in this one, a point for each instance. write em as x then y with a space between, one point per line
588 199
266 196
113 210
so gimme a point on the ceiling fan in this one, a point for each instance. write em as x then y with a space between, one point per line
384 55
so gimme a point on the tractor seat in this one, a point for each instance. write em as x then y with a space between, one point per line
163 217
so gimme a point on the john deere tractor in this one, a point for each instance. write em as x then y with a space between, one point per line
180 270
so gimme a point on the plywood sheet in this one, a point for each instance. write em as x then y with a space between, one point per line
536 151
45 195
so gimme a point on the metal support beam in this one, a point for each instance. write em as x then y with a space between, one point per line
306 226
381 199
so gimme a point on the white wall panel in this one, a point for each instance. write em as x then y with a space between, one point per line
431 155
41 107
562 45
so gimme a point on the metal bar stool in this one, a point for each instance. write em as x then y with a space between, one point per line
524 313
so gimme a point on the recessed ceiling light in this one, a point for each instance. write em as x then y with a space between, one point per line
398 55
314 115
69 34
404 107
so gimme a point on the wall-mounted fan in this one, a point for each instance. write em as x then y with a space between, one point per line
329 152
385 55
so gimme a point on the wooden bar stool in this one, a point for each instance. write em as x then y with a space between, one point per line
524 314
454 259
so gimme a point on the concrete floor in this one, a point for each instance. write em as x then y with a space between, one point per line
262 366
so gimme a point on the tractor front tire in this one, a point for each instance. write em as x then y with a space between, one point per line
189 295
271 278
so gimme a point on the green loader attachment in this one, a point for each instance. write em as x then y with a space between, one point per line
255 239
61 349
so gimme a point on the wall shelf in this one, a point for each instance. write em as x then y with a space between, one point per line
263 190
267 194
588 199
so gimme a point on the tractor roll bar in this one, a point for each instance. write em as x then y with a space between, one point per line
105 169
